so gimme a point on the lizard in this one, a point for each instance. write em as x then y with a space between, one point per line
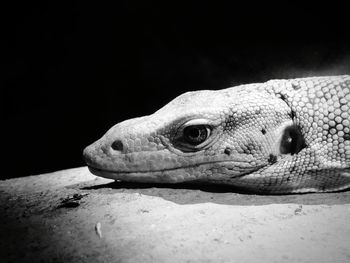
277 137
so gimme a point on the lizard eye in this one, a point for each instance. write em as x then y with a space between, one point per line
196 134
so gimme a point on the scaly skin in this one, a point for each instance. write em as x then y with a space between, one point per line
281 136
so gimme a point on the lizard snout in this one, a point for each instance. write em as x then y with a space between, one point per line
87 156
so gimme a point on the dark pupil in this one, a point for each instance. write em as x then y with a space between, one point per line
195 134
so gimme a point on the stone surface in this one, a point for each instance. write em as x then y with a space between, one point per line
73 216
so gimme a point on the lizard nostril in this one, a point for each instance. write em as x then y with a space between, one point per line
117 145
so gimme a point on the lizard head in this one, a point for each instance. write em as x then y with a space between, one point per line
211 136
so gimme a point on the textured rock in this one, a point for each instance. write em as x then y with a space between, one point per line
73 216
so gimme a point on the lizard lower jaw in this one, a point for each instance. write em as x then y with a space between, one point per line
164 176
202 172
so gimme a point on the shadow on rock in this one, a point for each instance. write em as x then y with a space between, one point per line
185 193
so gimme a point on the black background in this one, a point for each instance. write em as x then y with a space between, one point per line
74 69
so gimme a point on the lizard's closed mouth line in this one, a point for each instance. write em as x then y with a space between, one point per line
133 172
95 169
92 169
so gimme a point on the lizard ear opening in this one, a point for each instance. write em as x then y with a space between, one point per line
292 141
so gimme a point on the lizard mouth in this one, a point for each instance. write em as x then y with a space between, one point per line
159 176
171 175
99 170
